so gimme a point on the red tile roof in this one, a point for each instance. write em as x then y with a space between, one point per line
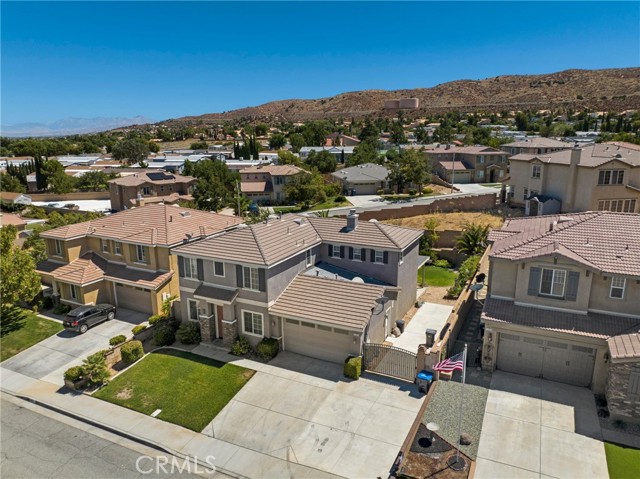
625 346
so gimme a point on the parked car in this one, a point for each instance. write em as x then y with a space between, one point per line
84 317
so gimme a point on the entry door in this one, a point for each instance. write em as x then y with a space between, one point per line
218 320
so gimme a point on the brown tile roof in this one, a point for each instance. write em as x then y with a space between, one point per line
256 186
594 325
275 170
332 301
160 225
161 178
11 219
170 199
591 156
473 150
605 241
624 346
454 165
539 143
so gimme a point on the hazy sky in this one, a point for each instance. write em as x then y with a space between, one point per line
165 59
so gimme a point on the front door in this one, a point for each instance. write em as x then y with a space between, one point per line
218 320
492 175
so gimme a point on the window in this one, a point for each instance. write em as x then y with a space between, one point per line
58 247
252 323
535 171
73 291
308 257
480 174
218 268
191 268
634 382
146 191
250 278
481 159
357 254
193 309
610 177
626 206
117 246
141 254
526 194
334 251
104 245
617 287
552 282
379 257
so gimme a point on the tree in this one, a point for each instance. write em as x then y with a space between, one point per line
324 161
277 141
56 178
419 172
134 150
199 145
93 181
398 169
297 141
41 181
370 132
261 129
11 183
422 136
187 168
20 281
473 239
285 157
215 184
306 188
365 152
522 121
397 134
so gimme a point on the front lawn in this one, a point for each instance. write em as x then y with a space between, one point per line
21 329
436 276
190 389
622 462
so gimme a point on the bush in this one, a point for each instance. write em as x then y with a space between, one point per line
427 191
353 367
467 270
95 369
119 339
268 348
412 192
138 329
442 263
47 302
164 335
380 192
340 199
74 373
131 352
61 309
156 318
241 346
189 333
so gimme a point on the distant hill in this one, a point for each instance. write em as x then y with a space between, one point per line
70 126
611 90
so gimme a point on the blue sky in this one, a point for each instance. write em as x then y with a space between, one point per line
165 59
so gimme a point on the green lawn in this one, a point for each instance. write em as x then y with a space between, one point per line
325 205
191 390
436 276
22 329
622 462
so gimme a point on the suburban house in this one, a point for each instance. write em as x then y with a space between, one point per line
265 183
365 179
14 198
124 259
604 176
10 219
535 146
563 303
338 139
468 164
321 286
147 187
341 153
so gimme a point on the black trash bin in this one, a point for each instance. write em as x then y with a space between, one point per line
400 325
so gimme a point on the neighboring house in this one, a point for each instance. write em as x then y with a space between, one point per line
605 176
265 183
339 152
563 300
7 219
365 179
147 187
338 139
321 286
535 146
124 259
15 198
471 164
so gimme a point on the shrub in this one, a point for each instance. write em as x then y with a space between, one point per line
241 346
156 318
139 328
95 369
119 339
353 367
164 335
268 348
467 270
74 373
380 192
412 192
442 263
61 308
47 302
131 352
189 333
427 191
340 199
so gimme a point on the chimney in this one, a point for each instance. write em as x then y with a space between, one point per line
574 161
352 220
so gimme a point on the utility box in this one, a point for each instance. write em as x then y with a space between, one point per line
431 337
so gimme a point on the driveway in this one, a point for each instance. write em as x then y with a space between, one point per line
537 429
49 359
305 411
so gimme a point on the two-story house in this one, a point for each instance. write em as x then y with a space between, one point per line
560 288
535 146
266 183
604 177
321 286
468 164
146 187
124 259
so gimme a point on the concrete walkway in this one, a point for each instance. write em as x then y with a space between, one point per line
428 316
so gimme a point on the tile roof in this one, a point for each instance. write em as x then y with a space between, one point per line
539 142
256 186
155 177
161 225
170 199
364 172
11 219
214 292
327 270
594 325
591 156
454 165
275 170
624 346
605 241
473 150
332 301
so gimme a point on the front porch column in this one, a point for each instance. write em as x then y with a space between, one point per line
229 331
207 328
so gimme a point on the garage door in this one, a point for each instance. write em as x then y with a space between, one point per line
137 299
539 357
316 341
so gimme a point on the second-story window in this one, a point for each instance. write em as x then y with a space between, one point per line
141 254
552 282
251 278
481 159
218 268
526 194
57 245
357 254
334 251
308 257
535 171
146 191
610 177
617 287
104 245
379 257
191 268
117 247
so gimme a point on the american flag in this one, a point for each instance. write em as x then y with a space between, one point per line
451 364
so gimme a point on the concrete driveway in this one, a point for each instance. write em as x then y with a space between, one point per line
305 411
537 429
49 359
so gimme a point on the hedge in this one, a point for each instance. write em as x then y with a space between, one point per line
353 367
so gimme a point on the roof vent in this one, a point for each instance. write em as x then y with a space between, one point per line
300 221
564 219
618 155
185 213
373 220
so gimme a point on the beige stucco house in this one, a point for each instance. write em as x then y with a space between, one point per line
147 187
468 164
535 146
266 183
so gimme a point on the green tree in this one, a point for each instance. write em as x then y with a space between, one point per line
365 152
285 157
306 189
215 185
324 161
422 136
187 168
399 169
297 141
93 181
277 141
199 145
11 183
419 171
370 132
261 129
473 239
20 281
522 121
133 150
57 180
397 134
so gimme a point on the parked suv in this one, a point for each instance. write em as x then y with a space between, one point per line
82 318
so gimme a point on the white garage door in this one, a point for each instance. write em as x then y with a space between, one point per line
316 341
133 298
539 357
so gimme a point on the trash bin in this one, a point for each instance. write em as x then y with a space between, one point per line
423 380
400 325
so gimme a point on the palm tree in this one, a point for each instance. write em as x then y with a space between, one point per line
473 239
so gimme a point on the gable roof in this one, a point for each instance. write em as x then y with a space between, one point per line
624 346
364 172
591 156
539 142
274 170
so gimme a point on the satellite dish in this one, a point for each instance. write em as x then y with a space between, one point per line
382 300
476 287
357 279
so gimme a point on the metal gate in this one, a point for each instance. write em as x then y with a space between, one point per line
390 361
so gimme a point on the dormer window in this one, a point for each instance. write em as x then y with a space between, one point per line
57 245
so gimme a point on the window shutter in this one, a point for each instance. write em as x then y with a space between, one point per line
239 276
534 281
350 252
385 257
181 266
330 246
200 270
342 251
262 280
372 255
572 286
132 250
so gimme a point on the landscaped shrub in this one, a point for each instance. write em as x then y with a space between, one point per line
119 339
61 308
268 348
353 367
241 346
164 335
47 302
380 192
156 318
412 192
467 270
139 328
189 333
340 199
442 263
427 191
131 352
74 373
95 369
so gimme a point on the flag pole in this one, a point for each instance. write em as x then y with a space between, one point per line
464 373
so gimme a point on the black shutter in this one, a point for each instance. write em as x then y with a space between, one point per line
372 255
262 280
385 257
239 276
342 251
534 281
181 266
350 252
572 286
132 251
200 270
330 247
